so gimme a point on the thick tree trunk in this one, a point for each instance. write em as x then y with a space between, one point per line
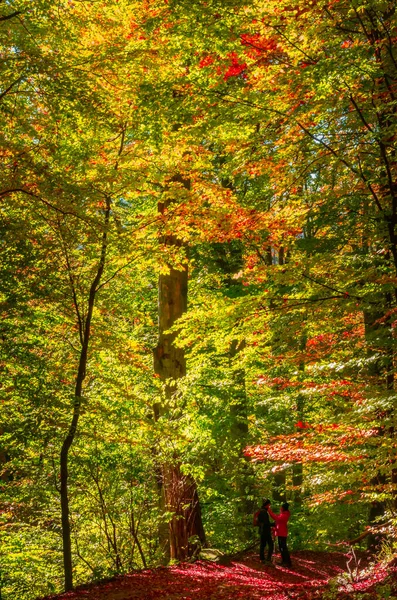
182 500
178 492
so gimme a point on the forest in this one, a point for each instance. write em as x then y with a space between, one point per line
198 281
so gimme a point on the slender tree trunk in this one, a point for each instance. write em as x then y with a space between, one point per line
377 340
378 36
278 485
239 434
134 534
229 259
238 407
3 461
178 492
85 331
297 469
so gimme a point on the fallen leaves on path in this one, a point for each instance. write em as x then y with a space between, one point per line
244 579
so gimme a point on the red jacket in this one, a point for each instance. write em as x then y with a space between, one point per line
281 522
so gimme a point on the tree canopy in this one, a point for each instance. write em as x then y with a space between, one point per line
198 290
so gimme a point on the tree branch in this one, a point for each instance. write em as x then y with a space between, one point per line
10 87
329 287
52 206
11 15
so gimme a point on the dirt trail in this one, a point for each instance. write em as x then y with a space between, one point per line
244 579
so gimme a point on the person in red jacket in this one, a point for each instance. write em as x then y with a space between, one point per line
282 532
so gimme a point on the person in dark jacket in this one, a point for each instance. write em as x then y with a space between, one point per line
282 532
261 519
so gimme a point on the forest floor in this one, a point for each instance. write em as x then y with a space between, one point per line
248 579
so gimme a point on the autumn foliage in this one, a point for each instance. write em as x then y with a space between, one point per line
198 281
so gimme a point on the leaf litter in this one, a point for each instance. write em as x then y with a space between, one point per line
246 578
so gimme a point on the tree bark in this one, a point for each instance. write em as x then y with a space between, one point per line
178 492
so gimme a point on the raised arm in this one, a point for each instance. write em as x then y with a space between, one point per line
273 516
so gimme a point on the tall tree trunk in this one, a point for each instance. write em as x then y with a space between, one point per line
178 492
297 468
242 466
278 487
85 331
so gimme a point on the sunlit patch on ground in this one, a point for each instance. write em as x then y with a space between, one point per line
245 578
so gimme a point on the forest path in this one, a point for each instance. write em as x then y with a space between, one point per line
246 578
